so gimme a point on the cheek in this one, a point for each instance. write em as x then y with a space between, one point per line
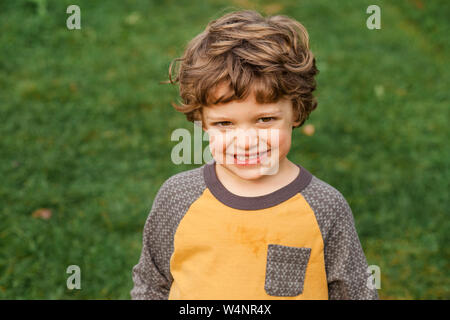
219 142
284 142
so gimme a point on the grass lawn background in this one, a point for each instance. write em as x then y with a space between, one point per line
85 131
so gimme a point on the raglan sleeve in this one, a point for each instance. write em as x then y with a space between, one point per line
150 282
346 264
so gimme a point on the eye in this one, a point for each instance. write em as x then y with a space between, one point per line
222 123
266 119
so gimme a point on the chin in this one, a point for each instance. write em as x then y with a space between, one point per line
247 173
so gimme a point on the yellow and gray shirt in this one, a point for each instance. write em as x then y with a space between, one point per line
203 242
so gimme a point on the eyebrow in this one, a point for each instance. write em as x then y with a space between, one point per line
258 115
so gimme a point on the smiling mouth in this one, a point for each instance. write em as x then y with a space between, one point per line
250 158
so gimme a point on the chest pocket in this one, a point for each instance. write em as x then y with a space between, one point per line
285 270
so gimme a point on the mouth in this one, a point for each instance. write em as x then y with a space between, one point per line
250 159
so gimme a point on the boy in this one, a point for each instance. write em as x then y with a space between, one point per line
249 224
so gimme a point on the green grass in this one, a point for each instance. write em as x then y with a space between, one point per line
85 131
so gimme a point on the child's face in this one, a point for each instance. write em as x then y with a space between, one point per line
247 138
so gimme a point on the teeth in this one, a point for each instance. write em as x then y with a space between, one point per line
246 158
243 158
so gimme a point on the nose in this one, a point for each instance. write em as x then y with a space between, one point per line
246 141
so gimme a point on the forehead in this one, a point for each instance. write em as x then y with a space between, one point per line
236 108
249 106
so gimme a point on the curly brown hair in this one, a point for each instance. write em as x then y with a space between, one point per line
250 53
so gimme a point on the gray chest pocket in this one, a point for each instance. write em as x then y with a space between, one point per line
285 270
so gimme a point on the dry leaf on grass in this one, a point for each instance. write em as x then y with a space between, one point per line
42 213
308 130
273 8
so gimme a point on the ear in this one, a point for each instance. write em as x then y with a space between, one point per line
199 117
295 122
204 128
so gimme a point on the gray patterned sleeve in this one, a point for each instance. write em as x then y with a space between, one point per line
150 282
344 258
151 276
